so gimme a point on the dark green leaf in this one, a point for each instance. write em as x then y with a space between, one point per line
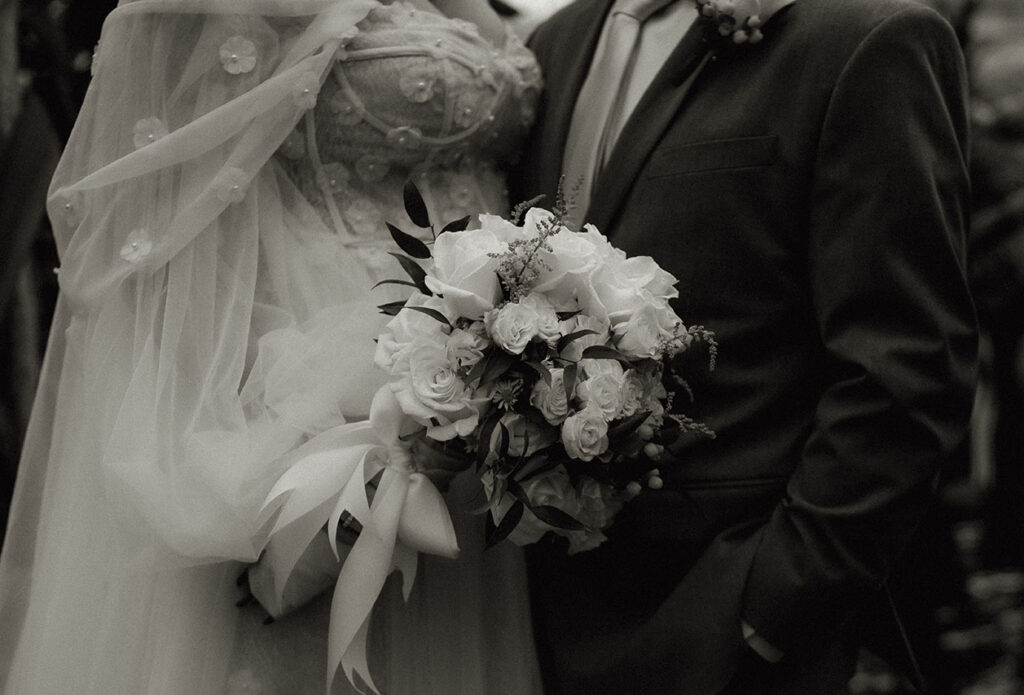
628 425
565 340
432 313
478 369
483 446
541 369
569 376
496 534
458 225
566 315
517 491
504 439
408 243
415 271
395 282
628 446
557 518
415 208
499 363
540 464
603 352
391 308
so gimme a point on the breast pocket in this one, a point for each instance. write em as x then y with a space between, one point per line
713 155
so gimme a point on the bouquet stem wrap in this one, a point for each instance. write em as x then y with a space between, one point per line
407 516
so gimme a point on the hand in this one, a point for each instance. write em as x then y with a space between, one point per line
439 461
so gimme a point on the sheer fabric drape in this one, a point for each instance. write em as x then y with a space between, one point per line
198 338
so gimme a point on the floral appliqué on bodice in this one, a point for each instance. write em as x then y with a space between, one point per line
412 95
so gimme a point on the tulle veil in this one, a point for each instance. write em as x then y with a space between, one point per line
186 355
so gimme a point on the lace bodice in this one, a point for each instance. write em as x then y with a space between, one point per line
412 94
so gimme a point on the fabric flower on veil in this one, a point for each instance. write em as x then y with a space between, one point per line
238 55
148 131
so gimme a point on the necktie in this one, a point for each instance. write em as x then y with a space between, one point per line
597 117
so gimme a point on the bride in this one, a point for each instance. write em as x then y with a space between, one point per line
220 215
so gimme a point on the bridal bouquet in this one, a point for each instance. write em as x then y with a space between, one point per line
541 355
544 355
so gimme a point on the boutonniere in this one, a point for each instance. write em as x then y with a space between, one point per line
740 20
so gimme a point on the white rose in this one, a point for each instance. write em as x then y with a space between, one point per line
512 327
463 271
431 392
572 253
548 326
633 392
648 331
602 393
551 400
644 272
585 434
572 266
407 327
592 367
464 348
622 288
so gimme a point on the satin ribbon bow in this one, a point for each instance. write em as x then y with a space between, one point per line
407 516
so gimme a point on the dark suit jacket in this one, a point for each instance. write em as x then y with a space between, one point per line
810 195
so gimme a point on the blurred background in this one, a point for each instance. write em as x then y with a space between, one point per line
963 599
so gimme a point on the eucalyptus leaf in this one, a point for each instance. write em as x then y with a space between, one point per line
566 340
478 369
415 208
486 432
627 425
432 313
408 243
458 225
499 363
517 491
395 282
414 271
496 534
391 308
557 518
541 369
504 440
569 377
603 352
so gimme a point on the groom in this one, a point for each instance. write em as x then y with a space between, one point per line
802 173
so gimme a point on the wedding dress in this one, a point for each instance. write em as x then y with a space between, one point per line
219 212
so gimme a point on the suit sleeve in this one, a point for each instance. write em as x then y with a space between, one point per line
887 275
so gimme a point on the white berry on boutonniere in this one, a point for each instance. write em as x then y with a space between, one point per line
740 20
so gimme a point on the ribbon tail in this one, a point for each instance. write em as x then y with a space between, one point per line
354 661
353 499
406 561
362 577
425 524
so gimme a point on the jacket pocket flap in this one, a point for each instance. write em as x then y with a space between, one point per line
713 155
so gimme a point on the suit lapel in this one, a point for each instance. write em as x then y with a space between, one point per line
574 53
645 126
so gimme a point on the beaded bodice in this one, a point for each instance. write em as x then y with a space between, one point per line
412 95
